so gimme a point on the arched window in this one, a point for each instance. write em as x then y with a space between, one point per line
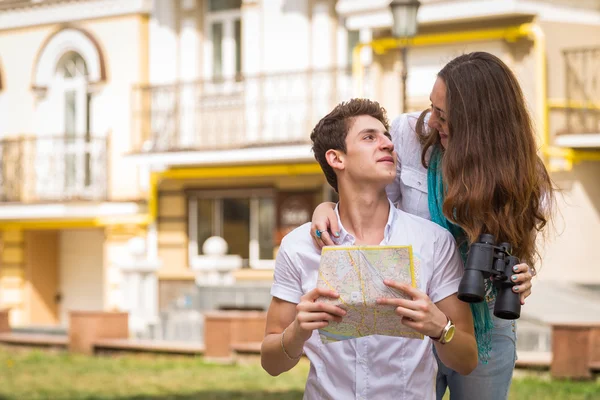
68 65
71 85
68 69
71 81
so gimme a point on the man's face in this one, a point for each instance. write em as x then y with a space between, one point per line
370 155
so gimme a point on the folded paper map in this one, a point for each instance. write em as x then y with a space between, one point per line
357 274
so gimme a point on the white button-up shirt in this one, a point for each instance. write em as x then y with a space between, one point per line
409 190
372 367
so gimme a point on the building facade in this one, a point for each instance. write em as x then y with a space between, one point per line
69 200
204 110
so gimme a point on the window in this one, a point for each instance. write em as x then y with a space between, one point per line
71 80
222 5
353 40
245 219
224 45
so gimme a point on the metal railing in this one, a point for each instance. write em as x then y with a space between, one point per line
36 169
234 113
582 87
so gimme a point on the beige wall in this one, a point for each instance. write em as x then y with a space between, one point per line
123 42
42 277
569 253
82 277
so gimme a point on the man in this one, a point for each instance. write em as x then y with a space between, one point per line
354 148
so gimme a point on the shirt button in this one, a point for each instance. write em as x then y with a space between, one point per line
419 183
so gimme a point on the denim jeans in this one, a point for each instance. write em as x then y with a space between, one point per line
489 381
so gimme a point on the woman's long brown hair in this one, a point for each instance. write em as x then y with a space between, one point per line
495 181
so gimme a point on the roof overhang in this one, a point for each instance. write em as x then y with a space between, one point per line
376 14
254 155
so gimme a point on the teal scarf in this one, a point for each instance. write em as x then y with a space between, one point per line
481 314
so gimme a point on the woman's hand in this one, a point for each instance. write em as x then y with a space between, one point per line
324 221
522 279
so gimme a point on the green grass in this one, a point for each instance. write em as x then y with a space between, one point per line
34 374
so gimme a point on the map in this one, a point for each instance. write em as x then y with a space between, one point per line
357 274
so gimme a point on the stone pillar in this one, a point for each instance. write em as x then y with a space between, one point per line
224 328
86 327
4 324
139 287
575 347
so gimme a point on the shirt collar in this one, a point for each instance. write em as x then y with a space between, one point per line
346 238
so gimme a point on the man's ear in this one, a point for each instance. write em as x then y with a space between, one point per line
336 159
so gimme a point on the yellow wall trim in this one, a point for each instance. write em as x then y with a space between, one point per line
556 104
382 45
242 171
74 223
509 33
237 171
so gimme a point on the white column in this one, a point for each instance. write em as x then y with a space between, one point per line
322 82
251 67
163 42
366 58
189 71
322 35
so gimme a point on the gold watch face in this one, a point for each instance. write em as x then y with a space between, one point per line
449 334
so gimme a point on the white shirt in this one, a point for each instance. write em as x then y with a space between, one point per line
372 367
409 190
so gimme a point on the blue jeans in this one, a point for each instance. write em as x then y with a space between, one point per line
489 381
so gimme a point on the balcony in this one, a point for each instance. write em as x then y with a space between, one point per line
581 111
53 169
263 110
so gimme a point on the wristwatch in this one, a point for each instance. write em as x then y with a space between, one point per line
447 333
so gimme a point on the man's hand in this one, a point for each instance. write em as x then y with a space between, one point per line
312 315
418 312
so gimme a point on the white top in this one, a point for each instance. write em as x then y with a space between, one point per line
409 190
373 367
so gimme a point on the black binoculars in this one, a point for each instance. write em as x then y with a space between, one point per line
486 259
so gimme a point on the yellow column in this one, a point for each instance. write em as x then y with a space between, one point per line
12 275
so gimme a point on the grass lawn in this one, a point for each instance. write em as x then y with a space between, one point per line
32 374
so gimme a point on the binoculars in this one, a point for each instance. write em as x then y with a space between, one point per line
487 260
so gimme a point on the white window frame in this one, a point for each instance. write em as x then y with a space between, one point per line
254 195
228 19
61 85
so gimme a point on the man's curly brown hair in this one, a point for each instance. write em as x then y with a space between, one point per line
331 131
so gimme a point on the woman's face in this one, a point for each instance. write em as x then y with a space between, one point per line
438 118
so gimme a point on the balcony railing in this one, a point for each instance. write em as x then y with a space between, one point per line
582 68
41 169
242 112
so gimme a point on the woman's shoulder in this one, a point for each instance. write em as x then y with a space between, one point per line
404 136
404 127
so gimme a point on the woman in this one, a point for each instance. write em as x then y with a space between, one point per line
469 163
